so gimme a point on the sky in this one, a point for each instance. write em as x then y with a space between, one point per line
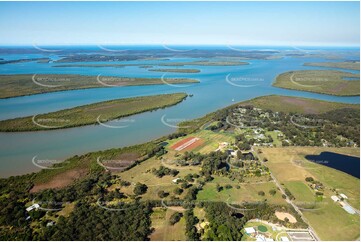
180 23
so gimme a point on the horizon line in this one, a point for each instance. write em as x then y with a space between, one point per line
200 45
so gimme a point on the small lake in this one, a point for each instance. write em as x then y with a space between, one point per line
344 163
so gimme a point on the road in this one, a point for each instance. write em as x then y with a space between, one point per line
313 233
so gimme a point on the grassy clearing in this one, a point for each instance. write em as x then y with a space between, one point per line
301 191
340 225
25 84
352 65
163 230
248 192
320 81
92 114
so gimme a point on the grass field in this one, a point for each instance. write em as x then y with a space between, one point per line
352 65
296 104
320 81
163 230
248 192
25 84
92 114
340 225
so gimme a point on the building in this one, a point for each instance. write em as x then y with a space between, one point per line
335 198
249 230
284 238
34 206
343 196
176 180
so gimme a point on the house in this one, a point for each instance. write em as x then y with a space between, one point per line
284 238
335 198
250 230
176 180
34 206
343 196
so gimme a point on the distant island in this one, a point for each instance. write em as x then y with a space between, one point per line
25 84
352 65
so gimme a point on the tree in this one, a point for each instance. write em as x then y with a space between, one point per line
174 218
309 179
178 191
163 194
272 192
140 189
261 193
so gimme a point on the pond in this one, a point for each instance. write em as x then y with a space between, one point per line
344 163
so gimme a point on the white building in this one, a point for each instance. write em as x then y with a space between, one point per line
284 238
176 180
250 230
34 206
343 196
335 198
